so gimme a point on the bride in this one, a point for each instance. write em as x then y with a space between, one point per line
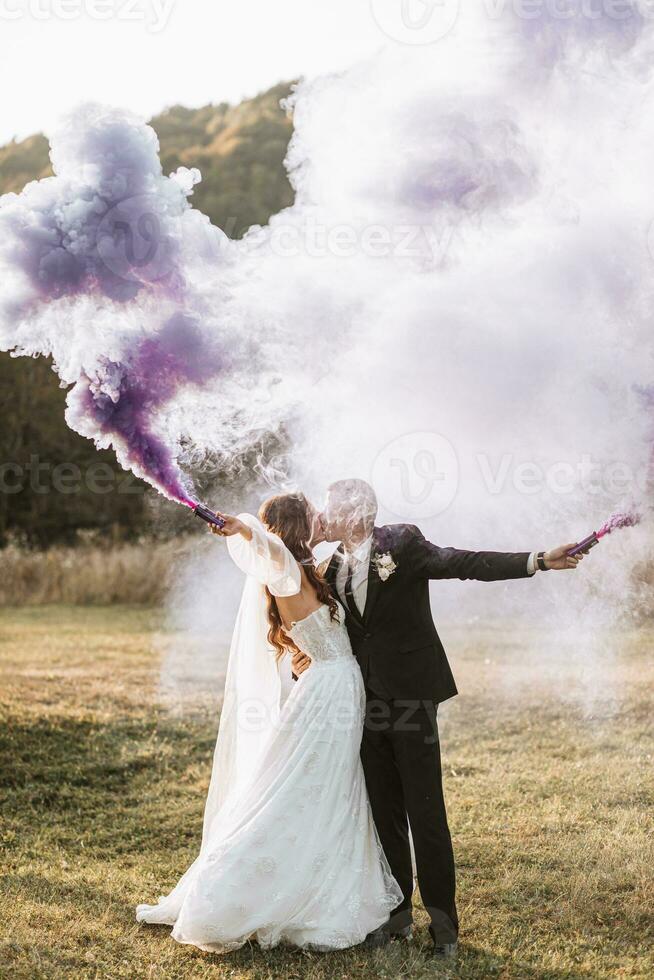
289 849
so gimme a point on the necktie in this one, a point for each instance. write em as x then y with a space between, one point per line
349 593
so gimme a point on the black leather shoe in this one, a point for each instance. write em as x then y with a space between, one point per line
442 950
404 935
445 951
375 940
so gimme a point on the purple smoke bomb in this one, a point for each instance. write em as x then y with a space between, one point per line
584 546
208 515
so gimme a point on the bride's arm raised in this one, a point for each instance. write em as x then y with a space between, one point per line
260 554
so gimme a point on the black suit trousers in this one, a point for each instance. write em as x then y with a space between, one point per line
401 759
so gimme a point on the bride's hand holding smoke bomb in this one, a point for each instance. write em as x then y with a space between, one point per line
231 526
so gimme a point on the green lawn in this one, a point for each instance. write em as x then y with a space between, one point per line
103 789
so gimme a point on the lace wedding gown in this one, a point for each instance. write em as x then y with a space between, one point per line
289 850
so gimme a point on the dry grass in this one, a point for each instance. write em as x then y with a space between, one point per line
549 802
88 574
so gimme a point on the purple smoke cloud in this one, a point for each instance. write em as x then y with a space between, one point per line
106 234
176 356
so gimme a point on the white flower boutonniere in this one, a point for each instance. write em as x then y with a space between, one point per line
384 565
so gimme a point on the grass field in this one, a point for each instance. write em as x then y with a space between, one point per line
103 789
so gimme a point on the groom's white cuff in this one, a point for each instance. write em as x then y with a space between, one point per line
532 564
532 567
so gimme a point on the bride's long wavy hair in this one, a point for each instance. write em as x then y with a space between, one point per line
289 516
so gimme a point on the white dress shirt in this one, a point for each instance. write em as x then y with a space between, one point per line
359 561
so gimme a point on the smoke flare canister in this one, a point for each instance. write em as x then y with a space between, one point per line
583 547
208 515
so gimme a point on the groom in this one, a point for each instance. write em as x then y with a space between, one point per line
381 576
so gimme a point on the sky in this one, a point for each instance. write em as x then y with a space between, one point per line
149 54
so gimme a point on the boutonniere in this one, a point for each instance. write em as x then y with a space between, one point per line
384 565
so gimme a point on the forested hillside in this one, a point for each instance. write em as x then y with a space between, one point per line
240 151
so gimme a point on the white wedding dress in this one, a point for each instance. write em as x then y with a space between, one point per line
289 849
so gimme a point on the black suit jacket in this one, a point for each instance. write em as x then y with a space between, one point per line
395 640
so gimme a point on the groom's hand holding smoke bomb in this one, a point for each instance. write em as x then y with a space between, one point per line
559 558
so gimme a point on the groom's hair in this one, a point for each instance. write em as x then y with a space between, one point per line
359 496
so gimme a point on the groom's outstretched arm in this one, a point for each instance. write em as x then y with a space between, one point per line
428 560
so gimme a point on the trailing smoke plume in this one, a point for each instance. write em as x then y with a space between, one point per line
617 521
